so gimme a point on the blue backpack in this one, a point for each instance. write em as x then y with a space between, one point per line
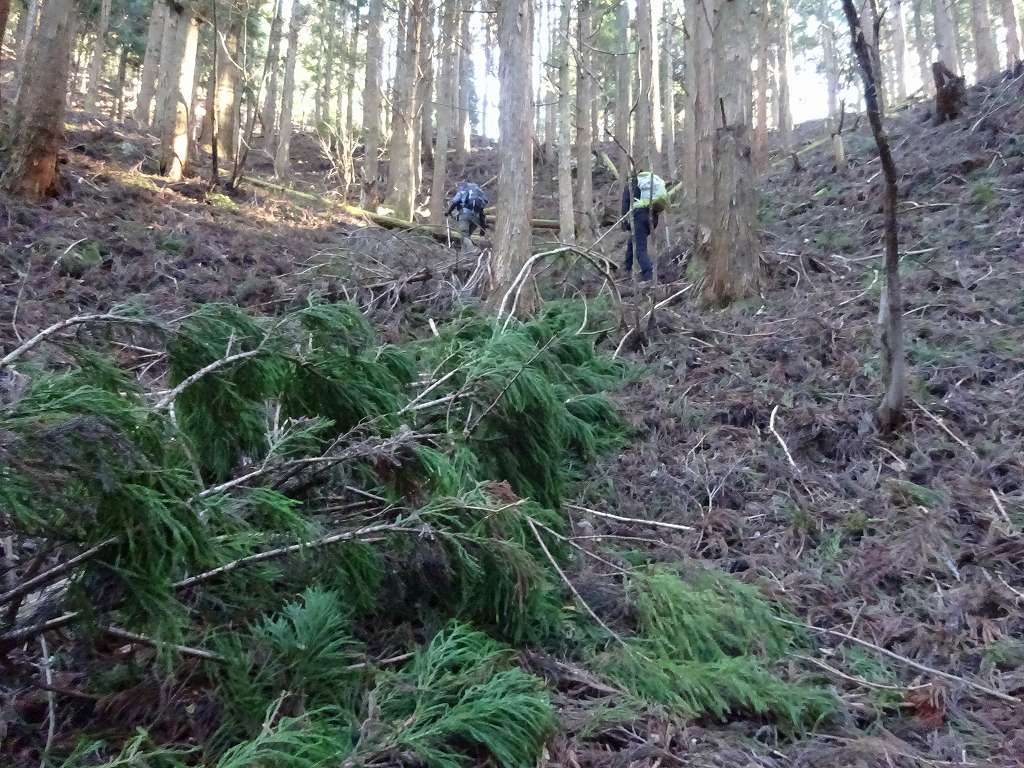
469 195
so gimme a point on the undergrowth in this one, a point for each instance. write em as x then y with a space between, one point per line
408 495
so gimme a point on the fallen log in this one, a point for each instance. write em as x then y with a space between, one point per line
437 232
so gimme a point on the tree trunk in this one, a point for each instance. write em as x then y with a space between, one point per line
891 310
269 115
369 194
689 169
32 22
282 158
488 72
99 51
181 72
828 45
424 107
350 74
228 93
871 31
986 57
623 97
704 109
151 62
668 94
515 173
401 172
734 266
566 211
333 32
1013 47
586 223
899 46
463 132
450 18
783 101
121 87
550 92
168 66
5 14
646 140
922 47
945 35
37 132
760 149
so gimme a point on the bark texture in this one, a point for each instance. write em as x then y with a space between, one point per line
168 66
401 172
228 93
891 309
515 174
623 95
177 109
151 62
783 98
922 47
1011 32
450 18
646 141
704 111
37 128
283 155
586 223
99 51
760 148
734 265
899 47
269 115
370 192
985 56
689 158
463 129
945 35
668 93
566 214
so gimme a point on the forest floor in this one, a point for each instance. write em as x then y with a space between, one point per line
753 424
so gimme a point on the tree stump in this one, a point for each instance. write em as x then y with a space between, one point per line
950 93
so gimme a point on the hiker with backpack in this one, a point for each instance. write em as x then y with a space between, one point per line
468 204
645 197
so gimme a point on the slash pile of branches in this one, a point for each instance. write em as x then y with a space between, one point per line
234 540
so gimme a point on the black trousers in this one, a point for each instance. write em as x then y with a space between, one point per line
641 232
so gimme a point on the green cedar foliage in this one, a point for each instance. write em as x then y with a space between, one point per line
706 645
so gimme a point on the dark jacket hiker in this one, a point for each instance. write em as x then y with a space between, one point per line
468 204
